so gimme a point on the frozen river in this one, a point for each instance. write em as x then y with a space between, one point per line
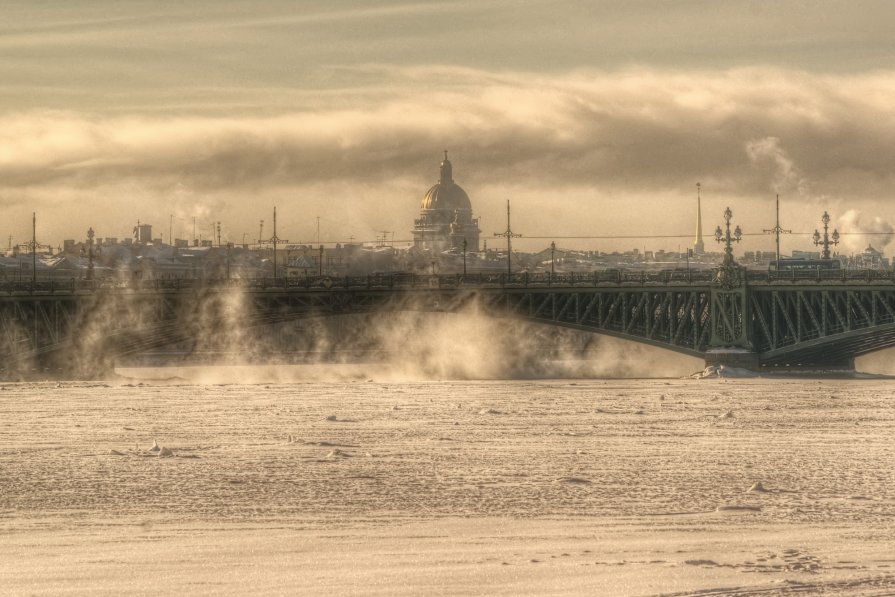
614 487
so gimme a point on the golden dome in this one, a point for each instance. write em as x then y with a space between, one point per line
446 194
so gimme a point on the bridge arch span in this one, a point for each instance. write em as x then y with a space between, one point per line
779 322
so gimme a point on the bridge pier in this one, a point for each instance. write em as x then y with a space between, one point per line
57 366
843 365
739 358
744 359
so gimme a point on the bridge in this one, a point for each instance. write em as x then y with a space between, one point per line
815 319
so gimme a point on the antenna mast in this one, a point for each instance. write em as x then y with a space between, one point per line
777 230
274 241
509 236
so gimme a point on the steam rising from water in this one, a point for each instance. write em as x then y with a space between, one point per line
403 342
416 345
117 323
471 345
391 345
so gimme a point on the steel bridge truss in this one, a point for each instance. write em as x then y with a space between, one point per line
678 319
786 322
818 325
35 326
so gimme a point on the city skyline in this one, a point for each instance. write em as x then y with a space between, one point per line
854 239
593 119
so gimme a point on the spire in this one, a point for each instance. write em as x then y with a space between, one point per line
447 175
698 244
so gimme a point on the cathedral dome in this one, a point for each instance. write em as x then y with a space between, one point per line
445 194
446 221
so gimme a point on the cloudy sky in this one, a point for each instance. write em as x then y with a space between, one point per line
594 118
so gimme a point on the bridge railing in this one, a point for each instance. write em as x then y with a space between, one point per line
396 280
406 280
48 286
821 275
524 280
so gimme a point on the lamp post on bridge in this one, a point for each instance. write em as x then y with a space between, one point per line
464 256
229 257
33 246
320 262
827 239
90 235
729 298
552 258
728 239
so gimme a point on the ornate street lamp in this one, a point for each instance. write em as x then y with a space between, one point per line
728 239
827 239
33 247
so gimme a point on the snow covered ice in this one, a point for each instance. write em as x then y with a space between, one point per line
584 487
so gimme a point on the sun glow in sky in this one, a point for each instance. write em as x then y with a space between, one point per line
592 117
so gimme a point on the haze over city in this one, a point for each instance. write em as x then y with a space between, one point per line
593 118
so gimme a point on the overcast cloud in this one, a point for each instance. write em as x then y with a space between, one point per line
599 116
